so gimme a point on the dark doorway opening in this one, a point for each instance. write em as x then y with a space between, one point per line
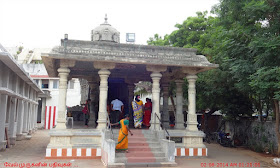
118 89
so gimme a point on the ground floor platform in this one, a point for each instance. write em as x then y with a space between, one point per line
33 151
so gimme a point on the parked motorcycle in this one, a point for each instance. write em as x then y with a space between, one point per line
224 139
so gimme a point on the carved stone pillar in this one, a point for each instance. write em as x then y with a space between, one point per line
165 113
63 78
43 111
84 84
93 93
103 95
155 100
156 76
179 118
20 111
3 110
192 117
25 117
36 116
103 91
12 121
31 119
131 88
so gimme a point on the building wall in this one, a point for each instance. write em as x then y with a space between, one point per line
18 102
259 136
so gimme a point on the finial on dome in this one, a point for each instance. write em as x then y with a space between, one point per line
106 18
105 32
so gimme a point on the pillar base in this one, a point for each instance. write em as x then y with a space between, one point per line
61 125
41 126
12 140
165 124
30 132
20 137
194 139
179 121
3 145
192 127
28 137
190 139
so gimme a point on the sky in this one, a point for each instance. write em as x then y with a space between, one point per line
42 23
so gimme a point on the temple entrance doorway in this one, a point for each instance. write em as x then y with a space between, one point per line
118 90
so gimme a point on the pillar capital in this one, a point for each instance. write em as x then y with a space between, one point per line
104 72
179 81
156 75
63 70
165 87
67 63
156 68
93 85
104 65
192 77
190 71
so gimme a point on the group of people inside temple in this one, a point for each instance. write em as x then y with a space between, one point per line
141 112
141 117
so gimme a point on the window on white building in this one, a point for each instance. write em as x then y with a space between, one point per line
71 84
55 84
45 83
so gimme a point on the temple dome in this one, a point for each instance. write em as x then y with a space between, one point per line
105 32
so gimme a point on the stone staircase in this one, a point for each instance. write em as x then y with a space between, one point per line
144 151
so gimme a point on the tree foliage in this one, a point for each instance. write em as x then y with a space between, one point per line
243 38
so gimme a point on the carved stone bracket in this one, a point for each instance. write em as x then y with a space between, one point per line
191 70
67 63
104 65
156 68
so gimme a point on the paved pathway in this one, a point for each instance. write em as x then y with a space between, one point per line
33 151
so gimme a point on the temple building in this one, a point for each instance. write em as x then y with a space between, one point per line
111 70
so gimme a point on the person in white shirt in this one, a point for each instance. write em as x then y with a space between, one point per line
117 108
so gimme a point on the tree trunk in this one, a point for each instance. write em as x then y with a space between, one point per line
260 110
276 105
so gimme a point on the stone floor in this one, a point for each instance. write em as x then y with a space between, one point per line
33 151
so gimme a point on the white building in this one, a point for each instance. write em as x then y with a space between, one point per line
32 63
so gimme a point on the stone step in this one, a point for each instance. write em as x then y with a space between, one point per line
147 143
140 159
141 154
144 148
137 139
136 165
137 135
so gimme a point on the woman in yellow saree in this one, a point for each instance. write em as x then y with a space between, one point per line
123 133
137 107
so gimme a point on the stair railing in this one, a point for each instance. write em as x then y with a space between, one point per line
109 127
160 123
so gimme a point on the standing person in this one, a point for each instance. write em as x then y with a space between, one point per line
137 107
117 108
147 112
86 111
123 133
